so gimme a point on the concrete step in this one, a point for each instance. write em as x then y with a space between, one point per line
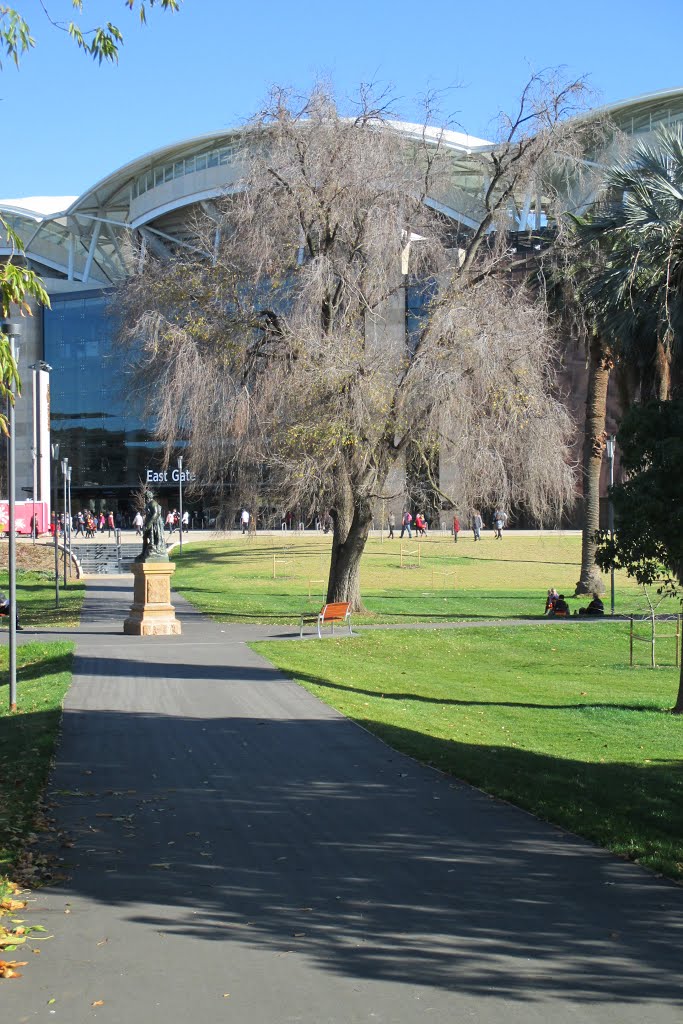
105 559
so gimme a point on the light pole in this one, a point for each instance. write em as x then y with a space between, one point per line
65 532
70 518
180 499
12 330
34 367
55 521
609 448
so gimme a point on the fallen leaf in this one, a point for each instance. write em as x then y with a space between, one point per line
8 968
98 1002
12 905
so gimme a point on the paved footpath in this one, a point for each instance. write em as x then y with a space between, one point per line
243 853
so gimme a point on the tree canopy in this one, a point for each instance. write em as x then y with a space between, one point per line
648 505
274 341
101 42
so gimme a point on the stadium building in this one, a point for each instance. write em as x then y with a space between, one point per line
81 247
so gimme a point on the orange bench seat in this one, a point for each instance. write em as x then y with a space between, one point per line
338 611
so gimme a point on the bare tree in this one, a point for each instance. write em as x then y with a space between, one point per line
279 345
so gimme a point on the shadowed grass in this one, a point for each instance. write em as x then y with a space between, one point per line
28 736
552 720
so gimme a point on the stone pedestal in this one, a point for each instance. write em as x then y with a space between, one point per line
152 613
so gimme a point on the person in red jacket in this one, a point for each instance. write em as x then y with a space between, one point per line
456 528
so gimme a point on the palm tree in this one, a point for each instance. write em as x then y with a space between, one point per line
628 282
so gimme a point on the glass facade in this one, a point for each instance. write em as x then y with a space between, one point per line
108 445
162 173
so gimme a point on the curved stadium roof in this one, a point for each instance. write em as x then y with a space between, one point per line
85 239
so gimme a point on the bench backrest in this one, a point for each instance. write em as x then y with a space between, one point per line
339 610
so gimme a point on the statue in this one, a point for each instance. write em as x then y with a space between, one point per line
153 540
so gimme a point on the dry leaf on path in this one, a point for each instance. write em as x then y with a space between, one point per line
8 968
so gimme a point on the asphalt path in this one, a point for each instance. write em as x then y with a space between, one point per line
243 853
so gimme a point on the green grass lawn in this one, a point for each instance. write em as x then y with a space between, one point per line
36 600
28 736
548 717
271 579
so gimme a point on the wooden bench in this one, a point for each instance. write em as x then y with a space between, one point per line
337 612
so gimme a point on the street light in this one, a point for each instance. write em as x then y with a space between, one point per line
65 473
609 448
70 517
12 330
180 501
35 367
55 460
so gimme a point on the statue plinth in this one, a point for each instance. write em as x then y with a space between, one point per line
152 613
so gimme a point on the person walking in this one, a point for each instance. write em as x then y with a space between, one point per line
137 523
406 520
499 520
244 520
477 524
456 528
186 521
392 524
80 524
110 523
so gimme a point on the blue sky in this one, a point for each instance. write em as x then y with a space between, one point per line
70 122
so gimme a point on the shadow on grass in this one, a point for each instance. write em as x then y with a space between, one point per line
306 834
327 684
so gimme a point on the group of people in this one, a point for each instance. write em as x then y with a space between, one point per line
87 523
556 605
407 523
173 520
420 524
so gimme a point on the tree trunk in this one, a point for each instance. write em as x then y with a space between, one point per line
677 709
663 363
351 523
599 366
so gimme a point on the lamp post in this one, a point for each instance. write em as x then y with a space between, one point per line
180 499
65 532
609 448
34 367
70 517
55 521
12 330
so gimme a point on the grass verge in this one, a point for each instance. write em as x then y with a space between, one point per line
548 717
28 737
36 600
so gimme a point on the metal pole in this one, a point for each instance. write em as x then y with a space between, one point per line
55 521
180 487
12 331
611 519
70 519
65 470
34 449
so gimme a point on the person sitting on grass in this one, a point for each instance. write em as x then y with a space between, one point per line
561 609
5 608
550 601
596 607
